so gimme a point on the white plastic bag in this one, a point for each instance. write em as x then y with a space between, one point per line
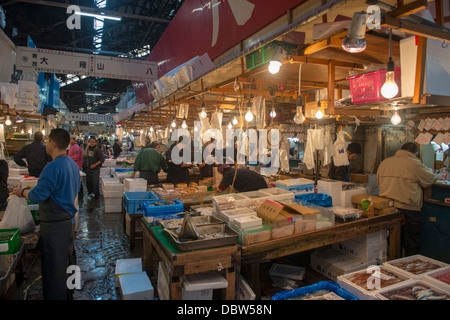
340 157
308 158
17 215
328 148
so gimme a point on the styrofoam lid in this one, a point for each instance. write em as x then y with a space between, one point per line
135 282
128 265
204 280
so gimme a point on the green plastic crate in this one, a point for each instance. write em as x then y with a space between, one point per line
9 241
263 55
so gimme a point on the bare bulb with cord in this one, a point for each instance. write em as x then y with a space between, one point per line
299 117
184 124
396 119
235 121
249 115
173 124
389 89
273 114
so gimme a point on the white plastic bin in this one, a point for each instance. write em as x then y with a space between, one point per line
199 286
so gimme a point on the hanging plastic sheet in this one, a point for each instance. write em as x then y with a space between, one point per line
205 125
317 138
328 147
182 110
216 120
308 158
340 157
284 154
259 110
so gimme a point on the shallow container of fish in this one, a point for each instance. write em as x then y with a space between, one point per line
322 290
415 266
198 221
412 290
210 236
365 283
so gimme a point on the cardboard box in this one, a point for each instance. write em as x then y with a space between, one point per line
379 212
359 177
274 211
378 202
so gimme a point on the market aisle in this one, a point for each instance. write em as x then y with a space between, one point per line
99 242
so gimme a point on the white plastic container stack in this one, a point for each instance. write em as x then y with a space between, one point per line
199 286
297 186
112 191
27 96
127 266
332 188
28 182
136 286
229 215
371 247
279 194
110 163
134 185
346 200
245 222
105 171
8 94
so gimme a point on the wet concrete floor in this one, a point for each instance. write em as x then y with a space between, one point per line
99 242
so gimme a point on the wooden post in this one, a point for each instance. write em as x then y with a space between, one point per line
330 87
420 68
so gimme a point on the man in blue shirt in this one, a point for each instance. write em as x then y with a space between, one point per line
55 192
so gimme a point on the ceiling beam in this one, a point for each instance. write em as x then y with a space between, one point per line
415 28
96 10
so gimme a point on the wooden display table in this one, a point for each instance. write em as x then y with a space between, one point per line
158 247
129 221
252 255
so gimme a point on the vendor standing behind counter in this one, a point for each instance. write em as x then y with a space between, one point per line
177 173
246 180
35 154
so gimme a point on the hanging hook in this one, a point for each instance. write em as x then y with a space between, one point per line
444 46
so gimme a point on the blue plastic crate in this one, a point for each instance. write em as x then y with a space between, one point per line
322 285
123 170
156 211
132 201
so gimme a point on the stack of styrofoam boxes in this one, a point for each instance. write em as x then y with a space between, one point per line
346 198
416 279
332 188
279 194
8 93
110 163
27 96
29 182
105 171
200 286
122 174
370 248
134 185
15 176
297 186
332 263
134 283
113 194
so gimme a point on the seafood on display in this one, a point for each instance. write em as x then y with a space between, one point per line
387 278
416 292
417 266
319 295
444 277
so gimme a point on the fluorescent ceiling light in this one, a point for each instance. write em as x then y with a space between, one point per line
92 94
98 16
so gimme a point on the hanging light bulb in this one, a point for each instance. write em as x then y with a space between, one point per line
355 42
390 89
249 115
142 131
277 57
230 126
174 124
203 113
319 113
184 125
8 122
235 121
273 114
396 119
151 129
299 117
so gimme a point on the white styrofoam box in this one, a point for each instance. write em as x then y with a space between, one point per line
242 289
365 250
136 286
27 104
126 266
279 194
378 236
111 202
199 286
287 271
391 265
111 163
23 85
8 91
113 209
363 292
29 182
135 189
381 294
228 215
431 277
139 183
105 171
15 172
332 263
112 185
437 66
14 182
112 194
245 222
333 188
346 195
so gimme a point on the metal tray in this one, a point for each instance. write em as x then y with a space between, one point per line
172 224
230 238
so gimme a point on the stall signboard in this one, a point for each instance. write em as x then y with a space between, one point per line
92 65
211 27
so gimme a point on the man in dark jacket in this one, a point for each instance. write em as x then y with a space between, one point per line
94 161
35 155
117 148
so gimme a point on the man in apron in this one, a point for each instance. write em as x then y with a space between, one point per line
55 192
